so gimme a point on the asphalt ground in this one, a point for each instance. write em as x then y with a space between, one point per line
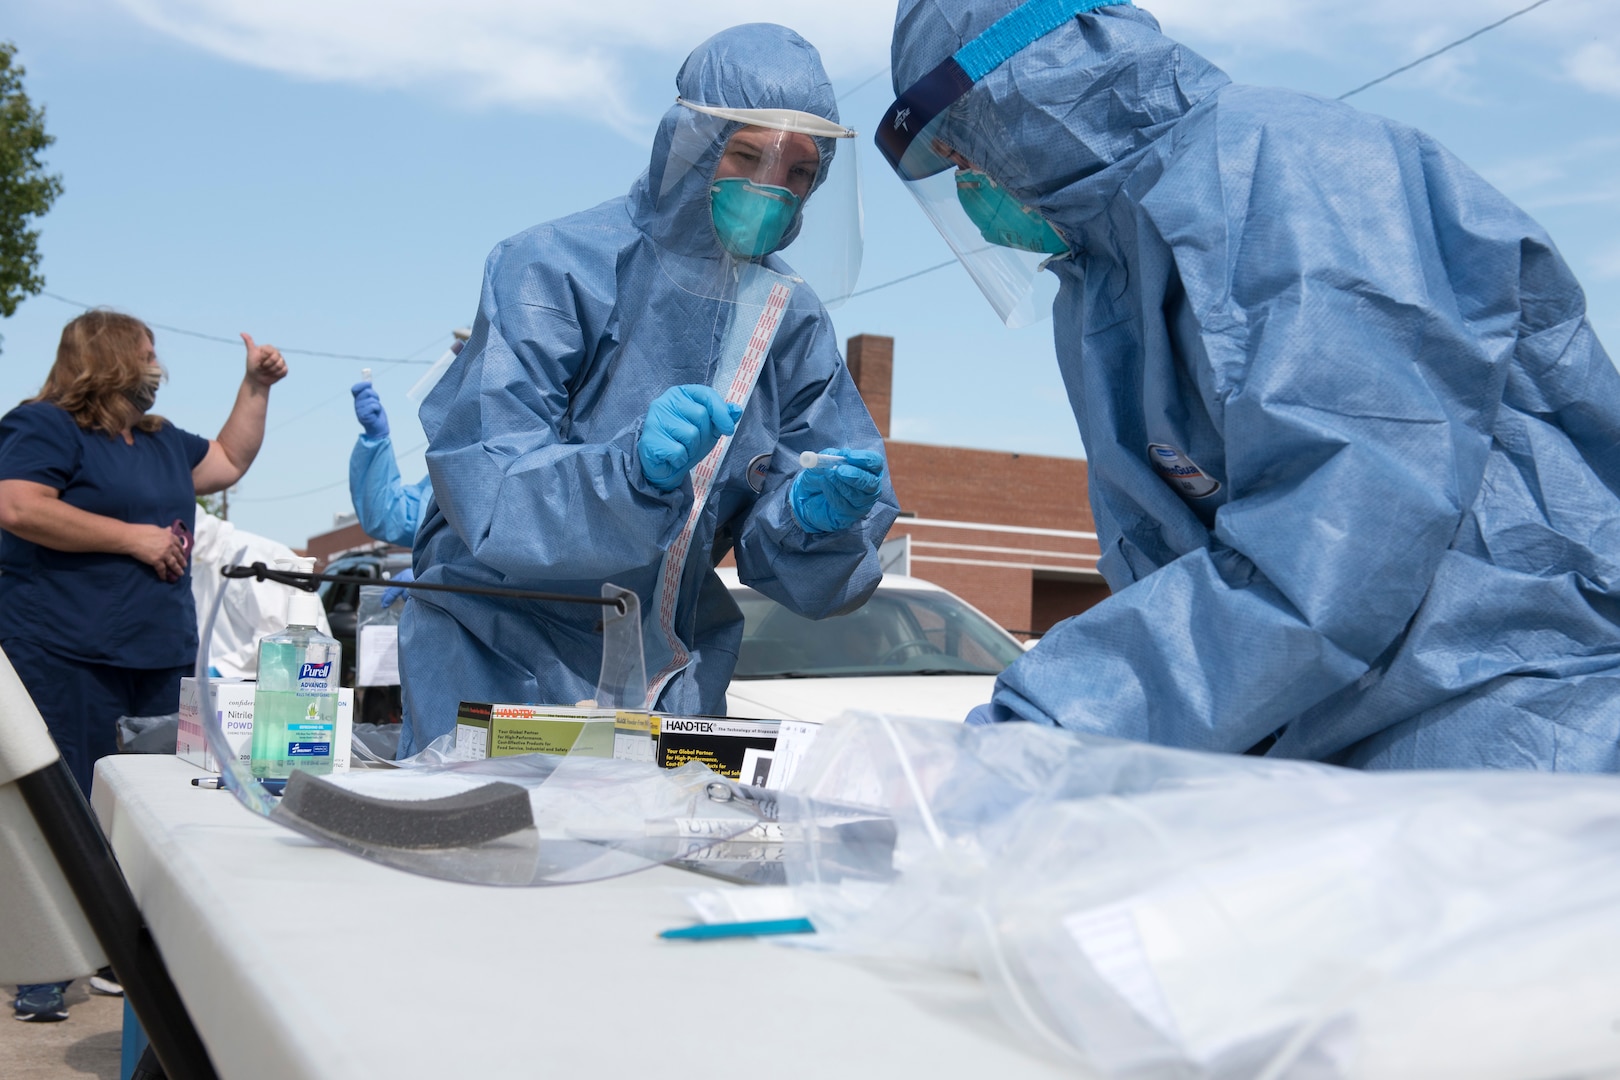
86 1044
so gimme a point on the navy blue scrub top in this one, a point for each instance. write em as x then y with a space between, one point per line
90 606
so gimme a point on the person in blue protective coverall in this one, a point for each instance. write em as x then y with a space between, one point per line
1354 449
388 508
562 440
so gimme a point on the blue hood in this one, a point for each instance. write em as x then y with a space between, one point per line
753 66
1086 96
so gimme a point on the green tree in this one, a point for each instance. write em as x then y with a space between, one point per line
26 189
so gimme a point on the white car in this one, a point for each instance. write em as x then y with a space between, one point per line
913 649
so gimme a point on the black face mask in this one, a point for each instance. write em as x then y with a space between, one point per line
144 395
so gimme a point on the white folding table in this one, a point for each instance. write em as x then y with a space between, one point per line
297 960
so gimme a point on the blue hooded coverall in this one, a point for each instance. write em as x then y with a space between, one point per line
1354 450
532 453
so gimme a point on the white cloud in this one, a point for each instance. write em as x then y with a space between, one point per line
1596 66
1575 175
1607 266
1582 35
549 54
526 53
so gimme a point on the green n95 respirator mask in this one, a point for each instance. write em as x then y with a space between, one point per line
751 219
1002 219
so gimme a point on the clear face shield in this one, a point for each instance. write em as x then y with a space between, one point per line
427 382
783 195
948 146
1003 244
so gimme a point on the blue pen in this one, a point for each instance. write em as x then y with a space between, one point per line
711 931
273 786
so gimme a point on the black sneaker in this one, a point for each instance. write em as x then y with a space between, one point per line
105 982
41 1003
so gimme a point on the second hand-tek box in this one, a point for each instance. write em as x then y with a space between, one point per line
736 749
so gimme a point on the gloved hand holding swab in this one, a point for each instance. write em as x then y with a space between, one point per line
812 460
836 488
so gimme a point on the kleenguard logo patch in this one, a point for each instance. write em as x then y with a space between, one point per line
1181 472
757 471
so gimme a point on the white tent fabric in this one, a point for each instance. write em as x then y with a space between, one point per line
251 608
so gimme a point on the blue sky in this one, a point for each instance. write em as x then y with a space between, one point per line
328 175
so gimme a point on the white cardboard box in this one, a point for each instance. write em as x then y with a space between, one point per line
233 700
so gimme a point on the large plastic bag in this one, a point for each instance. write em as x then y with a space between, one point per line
1161 913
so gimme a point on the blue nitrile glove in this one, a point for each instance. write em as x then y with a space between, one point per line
826 500
682 426
369 411
391 594
981 716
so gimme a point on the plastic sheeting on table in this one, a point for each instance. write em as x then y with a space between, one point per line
1151 912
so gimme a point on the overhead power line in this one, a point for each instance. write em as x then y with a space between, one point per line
852 91
898 280
324 487
1444 48
237 341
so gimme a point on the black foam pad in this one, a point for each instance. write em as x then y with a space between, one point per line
464 820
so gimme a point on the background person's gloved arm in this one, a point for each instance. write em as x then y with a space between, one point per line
827 500
683 424
392 593
387 507
368 410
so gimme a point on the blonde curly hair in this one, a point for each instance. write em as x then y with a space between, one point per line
100 360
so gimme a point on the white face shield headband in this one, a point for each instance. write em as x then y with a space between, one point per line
927 137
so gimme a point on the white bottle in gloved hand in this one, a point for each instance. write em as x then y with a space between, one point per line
295 703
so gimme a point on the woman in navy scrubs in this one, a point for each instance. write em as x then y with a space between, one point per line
97 502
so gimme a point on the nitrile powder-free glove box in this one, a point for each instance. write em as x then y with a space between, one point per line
233 701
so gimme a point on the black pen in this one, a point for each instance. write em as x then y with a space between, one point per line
273 786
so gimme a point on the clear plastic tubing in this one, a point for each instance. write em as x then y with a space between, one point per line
812 460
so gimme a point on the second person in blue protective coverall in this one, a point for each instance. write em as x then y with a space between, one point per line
563 439
388 508
1354 449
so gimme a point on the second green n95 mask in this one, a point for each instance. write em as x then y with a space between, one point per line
1003 220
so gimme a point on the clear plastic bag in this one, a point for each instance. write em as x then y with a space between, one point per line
376 638
1159 913
148 734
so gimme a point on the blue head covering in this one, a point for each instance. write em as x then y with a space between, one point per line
753 66
1074 102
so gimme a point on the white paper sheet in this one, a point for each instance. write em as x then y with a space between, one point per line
379 656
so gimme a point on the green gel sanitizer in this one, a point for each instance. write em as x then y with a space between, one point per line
295 702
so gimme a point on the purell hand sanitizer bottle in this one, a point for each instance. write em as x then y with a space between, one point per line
295 702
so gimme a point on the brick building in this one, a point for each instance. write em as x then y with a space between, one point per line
1010 533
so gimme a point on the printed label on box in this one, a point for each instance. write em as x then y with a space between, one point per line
233 704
